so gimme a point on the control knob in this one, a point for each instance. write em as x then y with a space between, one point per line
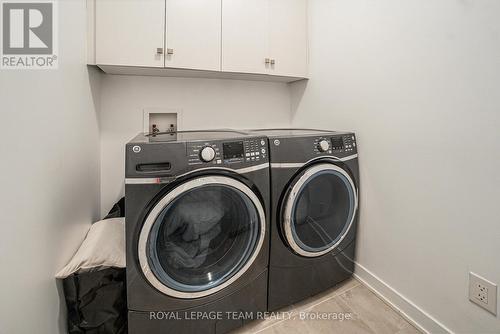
207 154
323 146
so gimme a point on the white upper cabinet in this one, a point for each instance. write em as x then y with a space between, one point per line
130 32
193 34
245 42
265 36
255 39
288 37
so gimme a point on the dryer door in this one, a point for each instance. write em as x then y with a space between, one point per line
319 210
201 237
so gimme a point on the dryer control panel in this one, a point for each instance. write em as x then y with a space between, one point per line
245 151
334 144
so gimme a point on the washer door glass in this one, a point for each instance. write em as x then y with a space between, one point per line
320 210
204 233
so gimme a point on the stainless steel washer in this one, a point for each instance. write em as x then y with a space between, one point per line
197 231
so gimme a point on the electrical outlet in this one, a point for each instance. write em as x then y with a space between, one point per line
483 293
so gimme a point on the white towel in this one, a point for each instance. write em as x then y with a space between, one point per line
103 247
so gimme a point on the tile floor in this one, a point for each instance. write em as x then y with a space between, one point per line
367 312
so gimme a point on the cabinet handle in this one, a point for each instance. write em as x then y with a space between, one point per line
159 51
268 61
273 61
170 51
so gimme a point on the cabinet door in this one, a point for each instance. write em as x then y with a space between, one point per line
245 36
288 37
130 32
193 34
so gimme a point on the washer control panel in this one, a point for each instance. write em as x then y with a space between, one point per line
349 143
245 151
255 150
334 144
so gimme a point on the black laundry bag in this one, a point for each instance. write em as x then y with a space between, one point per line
97 301
118 210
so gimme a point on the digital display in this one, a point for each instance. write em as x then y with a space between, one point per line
233 150
337 143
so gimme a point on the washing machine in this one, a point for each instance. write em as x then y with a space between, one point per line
314 212
197 237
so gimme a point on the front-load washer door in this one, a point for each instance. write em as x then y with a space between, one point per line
201 237
319 209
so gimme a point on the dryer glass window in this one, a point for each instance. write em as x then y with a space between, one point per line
203 238
322 211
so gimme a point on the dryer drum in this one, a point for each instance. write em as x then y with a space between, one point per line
201 237
319 210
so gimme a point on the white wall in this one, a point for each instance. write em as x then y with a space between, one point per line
205 104
419 81
49 177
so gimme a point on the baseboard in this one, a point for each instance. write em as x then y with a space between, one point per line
411 312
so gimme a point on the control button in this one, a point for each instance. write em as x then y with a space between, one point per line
263 151
323 146
252 154
257 153
263 142
353 144
207 154
248 154
219 162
